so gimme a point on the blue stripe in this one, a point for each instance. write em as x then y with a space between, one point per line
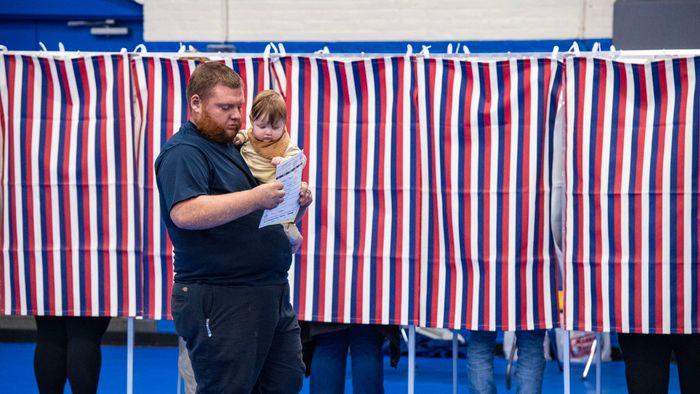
338 264
81 179
517 232
576 181
590 231
359 163
448 263
464 197
166 120
636 70
120 154
653 203
501 256
147 147
319 175
62 180
414 138
480 241
614 259
394 302
673 199
374 260
430 215
98 181
24 161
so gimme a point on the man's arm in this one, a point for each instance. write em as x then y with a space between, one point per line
208 211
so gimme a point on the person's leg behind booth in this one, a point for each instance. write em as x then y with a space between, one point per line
84 353
647 358
530 367
687 350
50 354
480 354
328 362
366 359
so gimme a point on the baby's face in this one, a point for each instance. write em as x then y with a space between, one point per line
266 131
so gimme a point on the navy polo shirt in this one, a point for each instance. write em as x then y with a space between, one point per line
236 253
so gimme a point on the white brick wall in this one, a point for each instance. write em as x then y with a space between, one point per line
375 20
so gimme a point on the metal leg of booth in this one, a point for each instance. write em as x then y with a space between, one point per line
130 356
411 359
567 363
598 359
455 356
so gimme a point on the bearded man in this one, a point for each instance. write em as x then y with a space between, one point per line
230 299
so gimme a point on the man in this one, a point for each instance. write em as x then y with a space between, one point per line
230 299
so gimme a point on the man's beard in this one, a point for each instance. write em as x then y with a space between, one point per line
212 130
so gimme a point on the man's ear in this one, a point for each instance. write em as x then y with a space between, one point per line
196 103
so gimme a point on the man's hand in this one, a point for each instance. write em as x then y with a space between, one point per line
269 195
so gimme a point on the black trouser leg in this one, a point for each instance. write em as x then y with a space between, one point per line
84 357
50 354
647 358
687 350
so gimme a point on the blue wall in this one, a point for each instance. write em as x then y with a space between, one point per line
24 23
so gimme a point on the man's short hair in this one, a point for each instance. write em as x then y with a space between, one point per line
269 105
208 75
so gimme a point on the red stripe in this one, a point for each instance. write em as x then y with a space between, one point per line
167 260
326 260
658 242
637 198
306 255
525 198
380 211
469 98
597 181
447 157
342 245
29 243
505 199
48 219
619 154
398 222
149 182
4 217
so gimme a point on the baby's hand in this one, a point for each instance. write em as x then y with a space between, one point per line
277 160
239 139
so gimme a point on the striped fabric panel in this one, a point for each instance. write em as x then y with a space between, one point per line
161 106
403 153
632 222
70 226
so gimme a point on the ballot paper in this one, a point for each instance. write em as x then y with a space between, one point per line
289 174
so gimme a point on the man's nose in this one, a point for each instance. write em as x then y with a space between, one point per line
236 113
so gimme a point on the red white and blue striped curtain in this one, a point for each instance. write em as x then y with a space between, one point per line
161 106
415 164
70 236
632 195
